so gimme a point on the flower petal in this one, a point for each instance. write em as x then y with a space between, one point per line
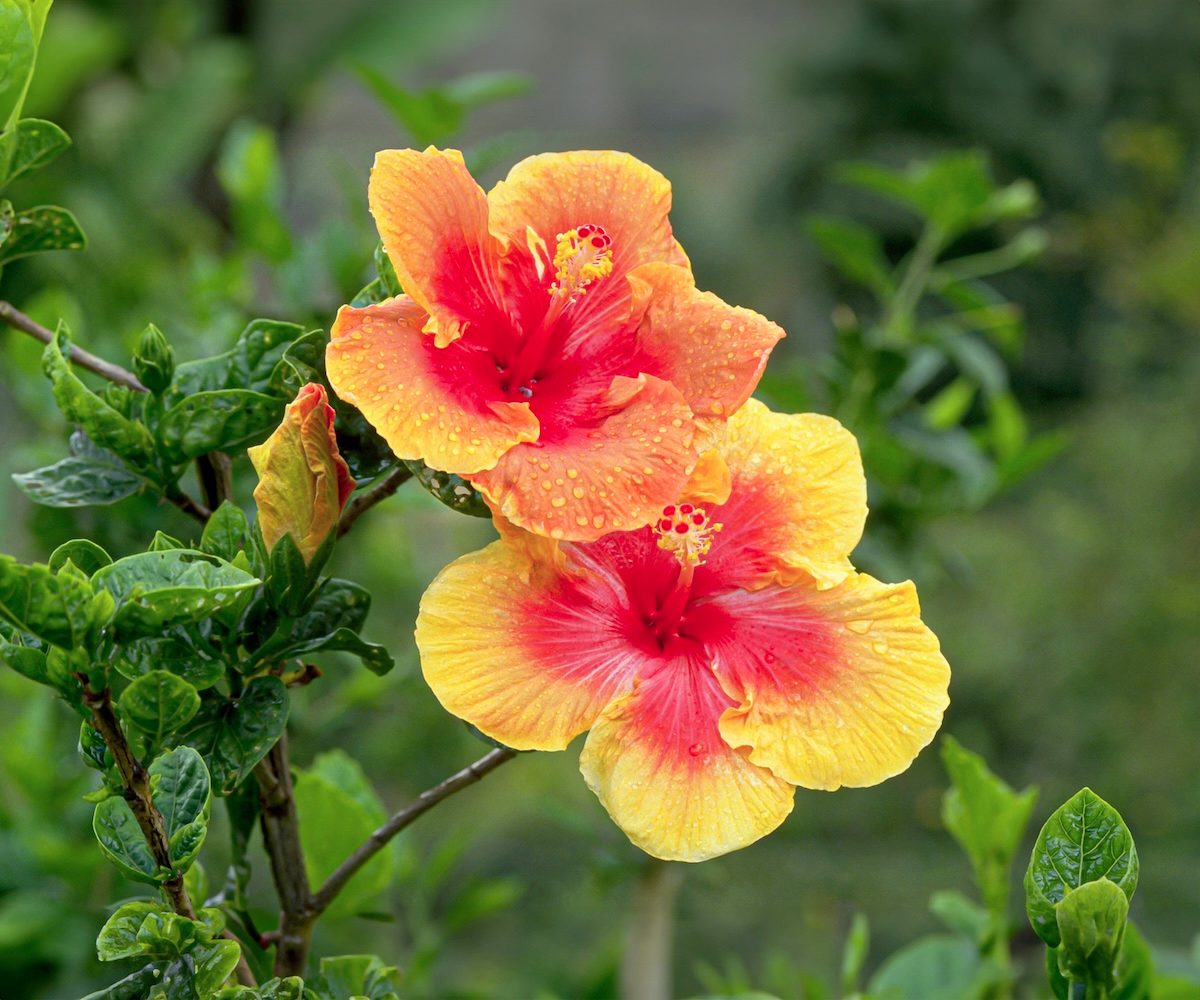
520 647
433 219
658 764
429 403
552 193
614 471
834 687
798 499
712 352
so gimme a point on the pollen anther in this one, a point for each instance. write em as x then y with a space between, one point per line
582 256
686 532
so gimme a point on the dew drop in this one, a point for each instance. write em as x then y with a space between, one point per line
880 647
862 626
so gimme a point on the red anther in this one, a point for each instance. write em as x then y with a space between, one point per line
682 529
664 524
668 510
697 519
598 242
686 508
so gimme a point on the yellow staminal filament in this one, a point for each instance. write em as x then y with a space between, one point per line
581 257
685 531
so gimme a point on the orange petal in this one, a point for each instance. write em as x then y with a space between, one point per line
427 402
834 687
798 500
551 193
499 633
714 353
433 219
658 764
303 480
616 472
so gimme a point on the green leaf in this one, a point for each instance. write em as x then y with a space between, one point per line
106 426
961 914
249 171
225 420
950 405
374 657
155 590
159 703
162 542
856 251
119 935
303 362
37 230
186 651
291 988
1091 924
250 364
235 735
289 580
30 145
183 794
338 810
938 967
136 986
454 491
353 976
92 748
987 818
18 50
97 480
215 963
84 553
55 608
227 532
1135 974
122 841
1085 839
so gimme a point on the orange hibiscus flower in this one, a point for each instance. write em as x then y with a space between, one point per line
720 657
552 345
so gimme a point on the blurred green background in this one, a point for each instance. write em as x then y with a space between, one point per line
1068 608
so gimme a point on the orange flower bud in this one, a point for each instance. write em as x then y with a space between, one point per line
303 481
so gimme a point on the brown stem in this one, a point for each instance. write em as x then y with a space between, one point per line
215 471
11 315
281 835
137 793
423 803
368 498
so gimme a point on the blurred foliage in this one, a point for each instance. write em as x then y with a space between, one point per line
1068 611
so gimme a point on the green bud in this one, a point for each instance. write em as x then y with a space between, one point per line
153 360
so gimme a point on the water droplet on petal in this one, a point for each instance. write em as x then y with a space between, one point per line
861 625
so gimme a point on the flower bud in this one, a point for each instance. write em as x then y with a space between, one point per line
153 360
303 481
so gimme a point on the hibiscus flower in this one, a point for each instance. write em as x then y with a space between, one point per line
551 345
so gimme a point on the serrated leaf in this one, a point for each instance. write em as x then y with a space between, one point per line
1085 839
236 735
155 590
159 703
105 425
986 817
225 420
30 144
38 230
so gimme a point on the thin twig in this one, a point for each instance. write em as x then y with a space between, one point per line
281 835
423 803
369 497
11 315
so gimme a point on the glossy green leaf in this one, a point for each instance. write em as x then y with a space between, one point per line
454 491
291 988
289 580
303 362
215 962
159 703
249 365
162 542
92 748
40 229
986 817
78 482
225 420
136 986
373 656
186 651
55 608
119 936
154 590
1091 926
338 810
105 425
227 532
353 976
122 841
1085 839
29 145
235 735
84 553
18 50
52 667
